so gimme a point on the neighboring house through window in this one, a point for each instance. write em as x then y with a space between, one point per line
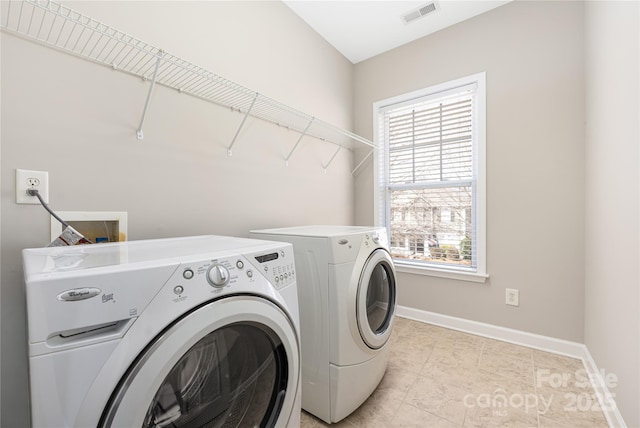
430 178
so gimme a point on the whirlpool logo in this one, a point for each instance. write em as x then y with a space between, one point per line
79 294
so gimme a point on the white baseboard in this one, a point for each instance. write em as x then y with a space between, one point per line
605 398
518 337
531 340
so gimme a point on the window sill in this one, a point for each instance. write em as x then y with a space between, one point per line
413 268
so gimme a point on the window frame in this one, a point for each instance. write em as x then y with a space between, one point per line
381 189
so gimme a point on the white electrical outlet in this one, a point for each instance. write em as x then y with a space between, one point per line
25 180
512 297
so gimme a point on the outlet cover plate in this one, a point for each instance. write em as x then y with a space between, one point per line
512 297
27 179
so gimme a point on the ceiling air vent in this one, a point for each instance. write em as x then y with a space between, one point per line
420 12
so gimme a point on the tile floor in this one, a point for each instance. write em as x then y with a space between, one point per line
438 377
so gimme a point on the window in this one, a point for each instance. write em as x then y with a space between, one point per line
430 165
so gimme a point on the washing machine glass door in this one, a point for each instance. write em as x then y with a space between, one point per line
237 373
376 299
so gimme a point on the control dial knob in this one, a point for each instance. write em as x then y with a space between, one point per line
218 275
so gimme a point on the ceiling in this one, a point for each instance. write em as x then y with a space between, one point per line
365 28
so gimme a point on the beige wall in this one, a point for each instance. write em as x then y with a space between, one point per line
532 53
612 322
77 120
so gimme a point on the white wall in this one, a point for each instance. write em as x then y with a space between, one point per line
612 298
532 53
77 120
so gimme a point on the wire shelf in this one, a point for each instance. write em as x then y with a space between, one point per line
63 28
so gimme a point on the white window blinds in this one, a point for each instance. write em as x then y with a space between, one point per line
427 177
431 141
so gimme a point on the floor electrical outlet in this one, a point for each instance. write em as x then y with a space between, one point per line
512 297
25 180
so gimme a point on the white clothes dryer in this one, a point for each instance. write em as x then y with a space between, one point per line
196 331
347 299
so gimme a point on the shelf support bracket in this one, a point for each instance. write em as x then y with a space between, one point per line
331 160
286 160
139 133
246 115
362 162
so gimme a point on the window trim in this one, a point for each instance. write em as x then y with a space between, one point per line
479 153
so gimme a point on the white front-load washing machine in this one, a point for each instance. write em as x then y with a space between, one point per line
347 299
183 332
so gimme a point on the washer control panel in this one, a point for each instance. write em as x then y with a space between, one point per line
277 266
216 275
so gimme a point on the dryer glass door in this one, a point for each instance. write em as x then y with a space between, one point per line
376 299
